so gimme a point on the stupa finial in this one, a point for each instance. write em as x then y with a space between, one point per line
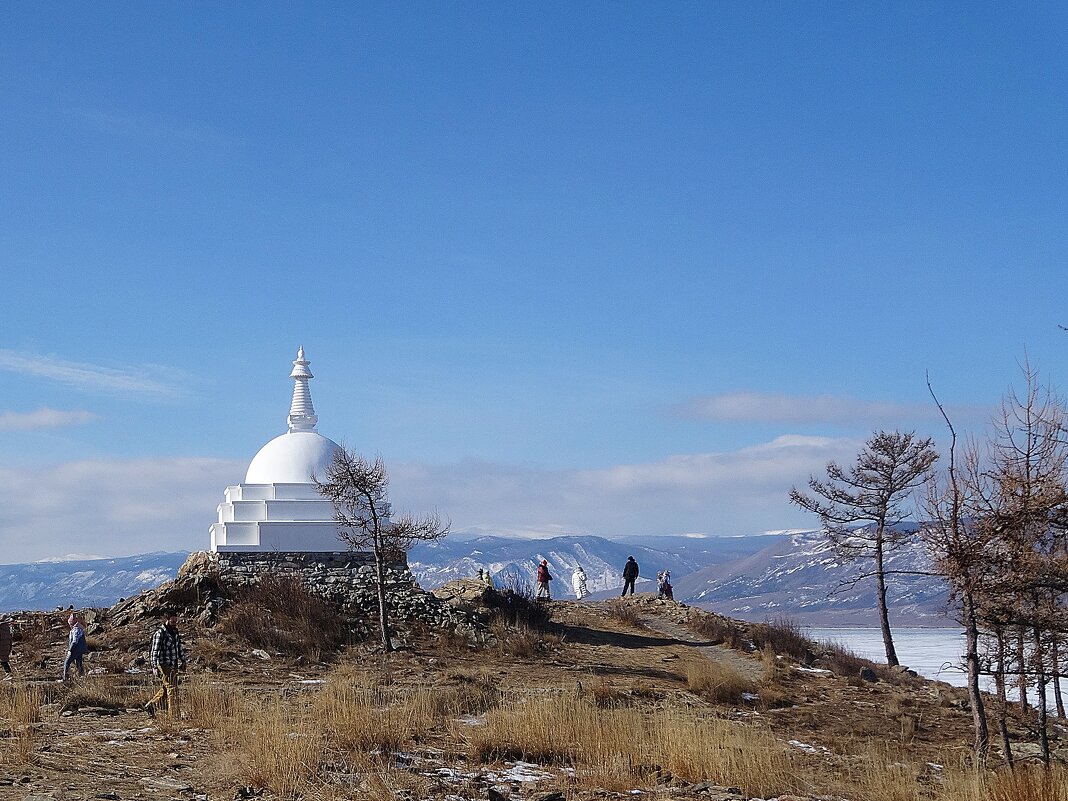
301 411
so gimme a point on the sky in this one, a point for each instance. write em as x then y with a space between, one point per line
628 268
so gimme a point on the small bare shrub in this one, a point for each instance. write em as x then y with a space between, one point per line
625 613
841 661
783 636
102 691
523 641
517 607
282 614
717 682
718 630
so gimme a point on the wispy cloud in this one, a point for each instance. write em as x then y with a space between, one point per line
730 492
155 127
762 407
146 380
136 506
114 506
44 418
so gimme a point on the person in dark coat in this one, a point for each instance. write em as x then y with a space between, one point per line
5 644
630 573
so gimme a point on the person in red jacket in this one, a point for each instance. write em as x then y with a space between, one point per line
543 580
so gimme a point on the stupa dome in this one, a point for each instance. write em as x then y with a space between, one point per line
279 508
296 457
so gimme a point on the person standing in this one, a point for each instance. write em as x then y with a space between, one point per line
5 644
663 583
167 657
578 582
543 579
630 574
77 646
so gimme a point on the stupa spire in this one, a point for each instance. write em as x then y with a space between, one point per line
301 411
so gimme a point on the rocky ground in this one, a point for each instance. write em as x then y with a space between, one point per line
94 741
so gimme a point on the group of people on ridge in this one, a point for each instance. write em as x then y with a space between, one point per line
578 581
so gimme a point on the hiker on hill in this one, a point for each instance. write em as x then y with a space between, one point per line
77 646
630 573
663 583
578 581
5 644
543 579
167 657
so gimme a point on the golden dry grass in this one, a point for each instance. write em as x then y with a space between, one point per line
716 681
1025 783
20 711
616 748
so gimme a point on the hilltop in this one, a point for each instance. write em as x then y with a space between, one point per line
570 700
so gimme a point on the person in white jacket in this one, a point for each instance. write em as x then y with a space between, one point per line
578 581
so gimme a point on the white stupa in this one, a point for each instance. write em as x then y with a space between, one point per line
278 507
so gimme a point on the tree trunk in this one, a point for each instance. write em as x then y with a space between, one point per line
884 612
1056 655
1003 703
383 609
971 640
1021 665
1040 687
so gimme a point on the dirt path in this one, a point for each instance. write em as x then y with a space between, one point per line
748 666
647 649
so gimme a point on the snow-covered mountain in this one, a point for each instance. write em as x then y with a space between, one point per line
802 578
796 575
83 582
514 561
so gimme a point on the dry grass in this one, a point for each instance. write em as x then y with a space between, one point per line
20 711
615 749
717 682
280 751
1028 783
209 704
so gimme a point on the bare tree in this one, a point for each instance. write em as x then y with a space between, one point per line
359 492
873 491
958 545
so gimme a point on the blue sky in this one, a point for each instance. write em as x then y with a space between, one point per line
629 268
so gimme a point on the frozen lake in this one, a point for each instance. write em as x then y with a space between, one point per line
934 653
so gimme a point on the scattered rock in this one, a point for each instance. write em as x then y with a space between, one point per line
259 653
166 784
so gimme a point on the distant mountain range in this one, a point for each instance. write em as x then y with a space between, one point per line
754 577
83 582
801 577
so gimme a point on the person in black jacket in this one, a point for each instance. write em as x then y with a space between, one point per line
630 573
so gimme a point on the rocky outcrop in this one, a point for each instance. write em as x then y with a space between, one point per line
207 582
